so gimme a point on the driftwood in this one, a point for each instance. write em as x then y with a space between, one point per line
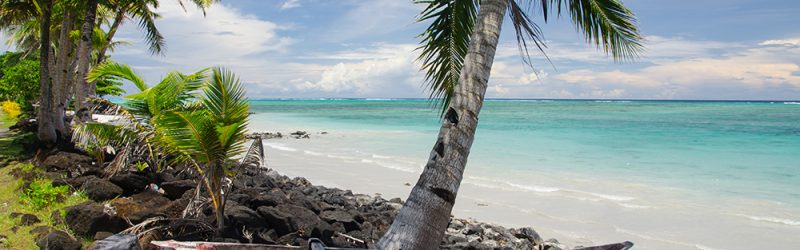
616 246
313 244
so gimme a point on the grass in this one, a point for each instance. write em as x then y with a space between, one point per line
6 121
10 193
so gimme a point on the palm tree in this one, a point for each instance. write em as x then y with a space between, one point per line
421 222
84 54
212 133
140 135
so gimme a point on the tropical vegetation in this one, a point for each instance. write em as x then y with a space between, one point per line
458 50
196 120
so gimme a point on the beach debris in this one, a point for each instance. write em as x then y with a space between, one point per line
615 246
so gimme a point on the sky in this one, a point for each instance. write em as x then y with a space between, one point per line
698 49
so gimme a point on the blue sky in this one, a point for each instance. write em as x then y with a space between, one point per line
700 49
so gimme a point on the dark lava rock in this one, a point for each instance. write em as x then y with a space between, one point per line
28 219
340 216
40 231
306 221
243 216
528 234
131 182
175 189
100 190
267 199
58 240
88 218
276 219
72 164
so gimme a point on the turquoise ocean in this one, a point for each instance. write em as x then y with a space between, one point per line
739 161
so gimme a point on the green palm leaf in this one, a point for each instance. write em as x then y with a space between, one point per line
444 44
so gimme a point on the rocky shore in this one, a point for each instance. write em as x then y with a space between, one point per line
263 207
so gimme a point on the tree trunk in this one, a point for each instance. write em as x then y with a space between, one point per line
101 53
46 131
62 76
422 221
84 53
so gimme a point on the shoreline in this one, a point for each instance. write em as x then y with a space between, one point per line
577 220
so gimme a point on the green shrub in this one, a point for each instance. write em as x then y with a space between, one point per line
41 194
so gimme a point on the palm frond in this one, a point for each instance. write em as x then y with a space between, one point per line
444 44
224 98
202 4
526 31
607 24
147 23
117 70
191 133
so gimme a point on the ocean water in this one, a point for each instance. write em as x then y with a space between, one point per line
672 174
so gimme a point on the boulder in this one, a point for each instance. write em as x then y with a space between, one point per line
243 216
100 190
276 219
175 189
528 234
88 218
40 231
267 199
131 183
58 240
347 219
28 219
72 164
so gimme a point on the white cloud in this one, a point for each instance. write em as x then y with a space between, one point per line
289 4
788 42
391 67
696 69
224 36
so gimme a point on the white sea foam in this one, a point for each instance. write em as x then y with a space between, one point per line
633 206
309 152
772 220
795 103
610 197
280 147
377 156
539 189
340 157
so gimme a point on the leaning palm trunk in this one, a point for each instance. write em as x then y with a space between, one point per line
421 223
46 131
84 50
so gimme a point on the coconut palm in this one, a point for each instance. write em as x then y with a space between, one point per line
459 74
139 134
213 133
